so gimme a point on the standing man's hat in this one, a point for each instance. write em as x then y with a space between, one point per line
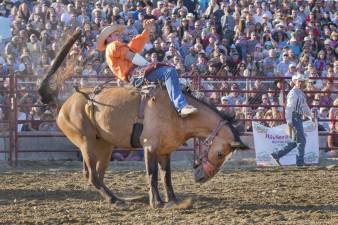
300 77
105 33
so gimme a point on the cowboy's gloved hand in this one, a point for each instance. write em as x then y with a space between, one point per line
148 25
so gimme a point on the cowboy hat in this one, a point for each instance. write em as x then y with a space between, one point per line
300 77
106 32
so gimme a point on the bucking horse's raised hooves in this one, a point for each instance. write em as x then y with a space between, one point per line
116 110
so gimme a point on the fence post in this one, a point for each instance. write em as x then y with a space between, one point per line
15 101
11 119
283 97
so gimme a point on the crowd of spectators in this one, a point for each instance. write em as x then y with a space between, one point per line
216 40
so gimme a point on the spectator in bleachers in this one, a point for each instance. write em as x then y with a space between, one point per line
259 115
303 63
320 62
324 114
255 97
234 95
332 139
265 100
282 67
269 64
26 60
292 70
47 124
24 12
66 16
34 46
13 47
332 113
89 70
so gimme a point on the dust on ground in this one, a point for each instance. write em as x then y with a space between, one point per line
56 193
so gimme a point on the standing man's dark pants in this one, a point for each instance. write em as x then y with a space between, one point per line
299 140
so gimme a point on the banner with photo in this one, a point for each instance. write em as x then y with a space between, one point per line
268 140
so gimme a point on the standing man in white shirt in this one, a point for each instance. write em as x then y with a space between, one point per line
296 107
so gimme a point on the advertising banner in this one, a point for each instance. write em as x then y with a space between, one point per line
271 139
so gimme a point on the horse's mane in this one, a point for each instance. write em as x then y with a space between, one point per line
224 115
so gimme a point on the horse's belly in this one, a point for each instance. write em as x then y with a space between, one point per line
115 122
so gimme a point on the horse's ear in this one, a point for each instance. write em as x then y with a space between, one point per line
238 145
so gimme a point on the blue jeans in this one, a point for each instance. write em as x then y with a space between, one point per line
299 140
169 76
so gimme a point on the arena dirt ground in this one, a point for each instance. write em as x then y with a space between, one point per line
56 193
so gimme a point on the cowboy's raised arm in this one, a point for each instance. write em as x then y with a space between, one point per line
138 42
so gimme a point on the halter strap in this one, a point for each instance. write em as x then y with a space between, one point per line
203 157
208 141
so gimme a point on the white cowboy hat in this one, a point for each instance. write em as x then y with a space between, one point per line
300 77
190 15
292 65
101 40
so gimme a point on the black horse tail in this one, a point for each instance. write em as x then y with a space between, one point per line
48 89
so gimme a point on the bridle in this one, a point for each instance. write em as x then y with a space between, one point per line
202 157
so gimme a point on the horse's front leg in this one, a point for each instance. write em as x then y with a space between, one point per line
150 158
164 162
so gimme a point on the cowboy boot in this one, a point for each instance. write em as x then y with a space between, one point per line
299 160
275 158
187 110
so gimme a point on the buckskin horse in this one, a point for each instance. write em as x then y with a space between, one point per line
110 126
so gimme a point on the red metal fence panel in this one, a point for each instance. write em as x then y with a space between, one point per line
15 90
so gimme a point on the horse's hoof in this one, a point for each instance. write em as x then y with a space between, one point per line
113 200
116 203
183 204
156 205
170 205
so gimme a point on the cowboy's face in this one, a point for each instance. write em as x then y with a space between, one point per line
115 36
300 84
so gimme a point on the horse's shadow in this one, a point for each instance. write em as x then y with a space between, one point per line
10 195
209 201
205 202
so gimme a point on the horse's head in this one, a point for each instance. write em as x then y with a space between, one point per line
213 159
215 149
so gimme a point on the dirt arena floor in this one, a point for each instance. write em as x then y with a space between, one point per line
36 193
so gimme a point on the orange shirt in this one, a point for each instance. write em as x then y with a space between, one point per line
116 52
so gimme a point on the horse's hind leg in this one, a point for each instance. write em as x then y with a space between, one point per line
87 150
164 162
85 139
85 170
103 155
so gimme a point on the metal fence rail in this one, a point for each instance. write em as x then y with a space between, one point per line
15 89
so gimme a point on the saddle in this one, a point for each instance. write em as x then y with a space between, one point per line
141 72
